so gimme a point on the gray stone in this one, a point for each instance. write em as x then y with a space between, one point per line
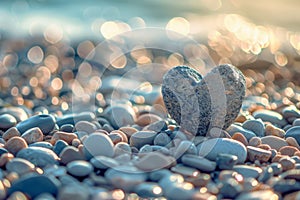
59 146
290 111
256 126
294 132
226 161
43 144
142 138
7 121
18 112
102 162
122 148
45 122
120 115
185 170
296 122
33 135
270 116
20 166
212 147
197 103
233 128
198 162
258 195
248 171
185 147
39 156
162 139
74 118
154 161
148 190
98 144
79 168
74 192
230 188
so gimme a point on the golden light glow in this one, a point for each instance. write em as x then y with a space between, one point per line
56 84
35 54
179 25
109 29
53 33
280 59
64 106
157 190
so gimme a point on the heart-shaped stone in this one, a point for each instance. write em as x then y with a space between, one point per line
200 103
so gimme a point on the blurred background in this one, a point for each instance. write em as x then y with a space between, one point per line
46 46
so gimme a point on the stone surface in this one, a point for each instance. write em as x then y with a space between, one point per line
226 161
294 132
120 115
18 112
148 190
142 138
273 130
98 144
69 154
233 129
7 121
15 144
274 142
212 147
45 122
154 161
248 171
196 104
85 126
74 192
60 135
74 118
103 162
258 195
256 126
146 119
12 132
79 168
270 116
20 166
255 153
291 111
33 135
198 162
39 156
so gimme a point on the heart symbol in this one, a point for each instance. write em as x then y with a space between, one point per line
199 103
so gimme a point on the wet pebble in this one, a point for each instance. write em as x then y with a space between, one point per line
230 188
277 168
39 156
33 135
59 146
79 168
67 128
226 161
43 144
291 111
98 144
248 171
17 112
185 170
294 132
212 147
148 190
45 122
255 153
270 116
7 121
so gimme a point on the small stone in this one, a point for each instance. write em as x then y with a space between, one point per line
33 135
148 190
85 126
217 133
20 166
287 163
256 126
102 162
157 126
185 147
7 121
122 134
69 154
288 150
129 131
59 146
67 128
35 185
190 99
292 142
255 153
125 177
38 156
5 158
277 168
74 192
233 128
122 148
248 171
265 147
274 142
266 175
154 161
185 170
120 115
74 118
273 130
291 111
45 122
212 147
255 141
142 138
294 132
43 144
79 168
162 139
60 135
15 144
240 137
18 112
146 119
198 162
2 191
98 144
226 161
270 116
115 138
12 132
230 188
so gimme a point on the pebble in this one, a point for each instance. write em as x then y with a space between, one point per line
5 158
122 148
115 138
103 162
31 185
270 116
15 144
287 163
148 190
186 96
69 154
291 111
294 132
79 168
146 119
33 135
7 121
59 146
157 126
122 134
67 128
234 128
274 142
142 138
226 161
296 122
230 188
65 136
255 153
256 126
255 141
18 112
240 137
185 147
120 115
266 175
292 142
162 139
39 156
198 162
125 177
74 192
212 147
154 161
273 130
12 132
288 150
43 144
85 126
185 170
98 144
20 166
74 118
277 168
248 171
45 122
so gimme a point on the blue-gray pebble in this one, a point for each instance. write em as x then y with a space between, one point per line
256 126
7 121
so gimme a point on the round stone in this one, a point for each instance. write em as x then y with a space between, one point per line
212 147
102 162
273 130
33 135
59 146
198 162
294 132
98 144
45 122
154 161
43 144
74 191
12 132
39 156
15 144
255 141
65 136
197 104
18 113
248 171
233 129
226 161
20 166
148 190
7 121
255 153
85 126
274 142
74 118
120 115
162 139
270 116
79 168
69 154
146 119
256 126
291 111
122 148
142 138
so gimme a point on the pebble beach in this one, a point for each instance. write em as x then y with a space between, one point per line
152 123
